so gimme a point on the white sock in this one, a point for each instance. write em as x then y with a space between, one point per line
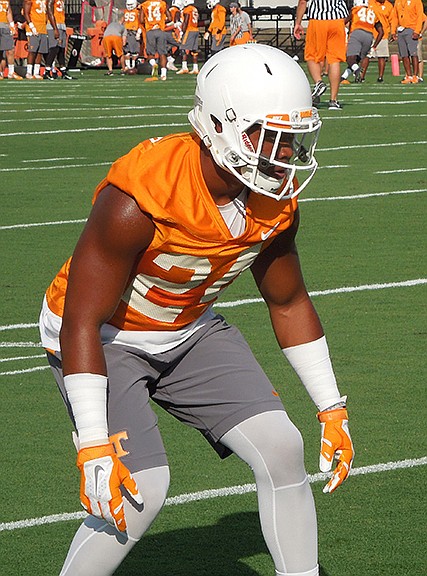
11 68
36 69
30 69
163 72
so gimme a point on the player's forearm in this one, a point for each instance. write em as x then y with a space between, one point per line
81 350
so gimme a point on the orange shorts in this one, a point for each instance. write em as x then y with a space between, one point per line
325 39
113 44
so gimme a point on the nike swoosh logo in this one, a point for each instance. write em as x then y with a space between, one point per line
265 235
98 470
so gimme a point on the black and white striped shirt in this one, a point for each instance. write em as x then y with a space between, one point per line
327 9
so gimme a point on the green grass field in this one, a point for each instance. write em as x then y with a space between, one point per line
363 249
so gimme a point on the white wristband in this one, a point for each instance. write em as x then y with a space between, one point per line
313 366
87 394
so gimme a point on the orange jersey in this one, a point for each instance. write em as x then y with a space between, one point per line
154 12
193 255
409 14
364 18
59 11
385 14
217 25
193 18
4 11
38 16
131 19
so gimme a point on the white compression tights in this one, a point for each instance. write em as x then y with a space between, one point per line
98 549
272 447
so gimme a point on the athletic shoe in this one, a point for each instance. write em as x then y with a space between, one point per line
358 76
151 79
195 72
319 89
108 74
183 71
334 105
414 79
171 66
406 80
315 101
163 78
14 76
420 79
380 79
37 77
48 76
1 77
345 81
66 76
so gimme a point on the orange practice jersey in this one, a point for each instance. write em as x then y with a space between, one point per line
59 11
175 14
4 10
38 16
364 18
193 18
193 255
154 14
131 19
217 25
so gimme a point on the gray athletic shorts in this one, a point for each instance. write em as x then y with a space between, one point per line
191 42
38 44
407 45
132 45
359 43
171 40
53 42
211 382
6 39
155 42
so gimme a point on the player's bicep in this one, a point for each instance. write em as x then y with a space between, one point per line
116 233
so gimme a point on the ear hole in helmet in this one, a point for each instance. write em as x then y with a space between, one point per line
217 124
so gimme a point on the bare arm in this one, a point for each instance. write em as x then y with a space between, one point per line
116 234
301 9
279 278
51 17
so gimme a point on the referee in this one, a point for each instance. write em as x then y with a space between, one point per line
326 38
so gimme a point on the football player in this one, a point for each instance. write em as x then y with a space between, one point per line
57 40
7 44
381 52
217 30
154 15
363 21
35 12
131 22
173 32
190 37
129 318
407 23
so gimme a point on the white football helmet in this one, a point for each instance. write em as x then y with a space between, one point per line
211 4
178 3
131 4
256 85
357 3
188 2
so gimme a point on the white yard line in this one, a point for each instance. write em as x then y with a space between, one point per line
215 493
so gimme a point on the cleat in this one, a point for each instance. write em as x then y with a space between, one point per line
48 76
415 80
316 100
334 105
163 78
319 89
66 76
380 79
171 66
14 76
195 72
183 71
406 80
29 76
109 74
37 77
345 81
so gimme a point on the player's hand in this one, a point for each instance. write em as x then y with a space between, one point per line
102 474
206 36
298 31
335 444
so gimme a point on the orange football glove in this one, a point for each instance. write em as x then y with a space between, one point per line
102 474
336 443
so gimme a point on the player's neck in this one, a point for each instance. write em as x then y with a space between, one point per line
222 185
